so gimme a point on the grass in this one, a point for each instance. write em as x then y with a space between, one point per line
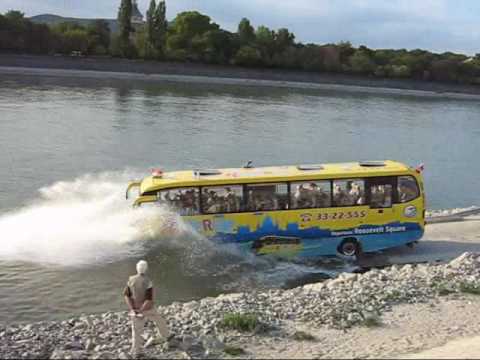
303 336
233 351
443 289
371 321
468 288
240 322
395 295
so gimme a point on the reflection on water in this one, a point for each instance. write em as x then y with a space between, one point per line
58 130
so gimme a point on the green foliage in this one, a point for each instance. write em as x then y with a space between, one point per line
187 34
192 36
18 34
265 42
469 288
246 32
283 40
362 63
394 295
371 321
233 351
240 322
346 51
214 46
443 288
303 336
98 37
124 45
160 25
248 56
155 31
149 25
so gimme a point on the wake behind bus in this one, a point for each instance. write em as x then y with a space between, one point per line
301 211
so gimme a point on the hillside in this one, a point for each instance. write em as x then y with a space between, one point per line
51 19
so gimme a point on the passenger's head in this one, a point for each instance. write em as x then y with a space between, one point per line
142 267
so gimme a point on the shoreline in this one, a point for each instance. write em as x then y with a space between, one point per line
384 313
128 70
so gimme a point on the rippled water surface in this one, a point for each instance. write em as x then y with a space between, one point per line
68 148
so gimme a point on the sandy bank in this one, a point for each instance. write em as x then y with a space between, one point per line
122 69
464 348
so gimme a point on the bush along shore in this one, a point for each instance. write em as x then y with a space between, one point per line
192 37
209 327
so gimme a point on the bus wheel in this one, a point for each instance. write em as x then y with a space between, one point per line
349 247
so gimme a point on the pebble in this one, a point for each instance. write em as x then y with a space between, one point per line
337 303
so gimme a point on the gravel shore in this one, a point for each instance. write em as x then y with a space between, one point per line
382 313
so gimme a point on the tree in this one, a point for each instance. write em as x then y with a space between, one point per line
125 27
15 16
15 37
246 32
361 62
215 46
98 37
346 51
186 33
283 40
311 57
160 26
248 56
150 30
265 40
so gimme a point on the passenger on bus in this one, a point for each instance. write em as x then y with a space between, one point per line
339 196
319 197
212 204
188 202
230 201
377 196
302 197
264 202
407 191
357 195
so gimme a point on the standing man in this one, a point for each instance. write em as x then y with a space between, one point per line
139 298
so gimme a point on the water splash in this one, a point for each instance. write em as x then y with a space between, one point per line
84 221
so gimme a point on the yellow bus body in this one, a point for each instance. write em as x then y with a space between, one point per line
306 232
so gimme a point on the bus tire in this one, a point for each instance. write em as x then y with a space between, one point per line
349 247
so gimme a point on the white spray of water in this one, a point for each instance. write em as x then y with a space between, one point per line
80 222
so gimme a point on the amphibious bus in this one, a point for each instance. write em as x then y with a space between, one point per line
296 211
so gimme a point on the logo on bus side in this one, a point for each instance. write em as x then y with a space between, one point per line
410 211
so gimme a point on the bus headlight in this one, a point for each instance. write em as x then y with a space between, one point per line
410 211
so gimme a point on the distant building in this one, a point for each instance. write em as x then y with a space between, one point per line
137 17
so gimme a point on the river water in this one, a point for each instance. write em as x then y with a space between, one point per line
68 147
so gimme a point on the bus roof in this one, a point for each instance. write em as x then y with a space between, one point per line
272 174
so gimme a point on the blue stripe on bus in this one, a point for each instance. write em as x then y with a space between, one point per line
316 241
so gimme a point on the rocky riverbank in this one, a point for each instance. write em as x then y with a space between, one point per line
315 316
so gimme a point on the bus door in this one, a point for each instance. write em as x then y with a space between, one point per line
381 199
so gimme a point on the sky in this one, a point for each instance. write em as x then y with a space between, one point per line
435 25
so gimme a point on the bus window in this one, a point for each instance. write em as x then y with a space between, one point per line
222 199
267 197
407 189
310 195
381 192
185 201
349 192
